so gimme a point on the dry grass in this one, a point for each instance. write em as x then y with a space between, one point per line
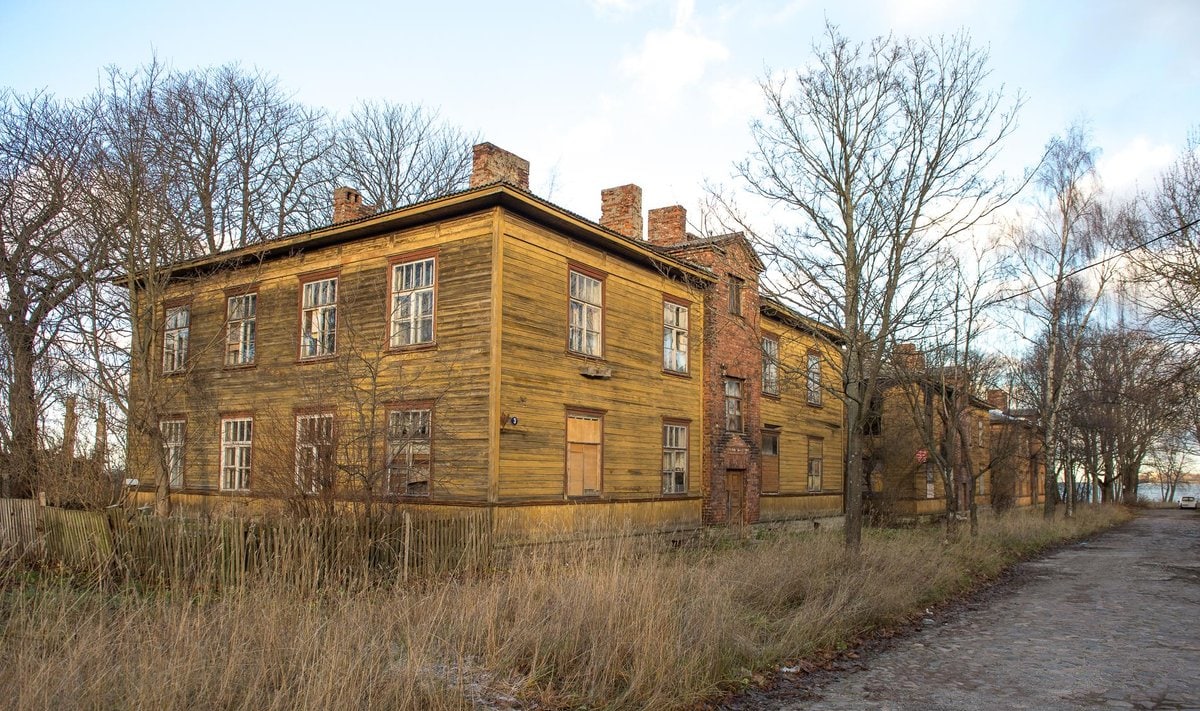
605 626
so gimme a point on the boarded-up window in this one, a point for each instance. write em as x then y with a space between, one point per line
584 437
314 452
770 461
815 462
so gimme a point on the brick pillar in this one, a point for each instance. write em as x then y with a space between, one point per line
348 205
998 399
492 164
667 225
621 210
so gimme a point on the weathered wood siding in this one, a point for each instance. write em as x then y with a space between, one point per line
541 380
363 378
797 420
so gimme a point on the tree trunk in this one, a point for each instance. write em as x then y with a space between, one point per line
23 412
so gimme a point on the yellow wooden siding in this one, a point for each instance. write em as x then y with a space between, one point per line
541 381
453 375
785 507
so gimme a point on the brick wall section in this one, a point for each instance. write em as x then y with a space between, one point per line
621 210
348 205
732 348
491 164
667 226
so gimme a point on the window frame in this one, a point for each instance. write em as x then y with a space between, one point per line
591 415
602 278
179 448
770 362
395 264
819 476
333 275
813 379
739 398
677 488
737 286
310 482
245 479
675 330
774 434
391 470
241 323
180 336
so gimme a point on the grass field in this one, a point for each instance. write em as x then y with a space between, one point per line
606 625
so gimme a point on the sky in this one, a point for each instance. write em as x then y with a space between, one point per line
598 93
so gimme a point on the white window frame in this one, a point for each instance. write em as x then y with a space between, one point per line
237 448
176 325
409 440
675 458
318 318
675 337
413 307
314 456
770 365
240 317
812 378
174 432
585 334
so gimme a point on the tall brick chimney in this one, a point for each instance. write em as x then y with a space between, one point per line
621 210
491 164
998 399
348 205
907 356
667 225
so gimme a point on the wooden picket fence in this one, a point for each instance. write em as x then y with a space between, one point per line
126 547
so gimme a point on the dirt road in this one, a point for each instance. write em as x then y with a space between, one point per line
1113 622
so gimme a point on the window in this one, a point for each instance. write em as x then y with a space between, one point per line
584 442
318 318
735 295
873 424
812 378
236 439
172 443
675 337
929 488
815 450
239 331
314 452
175 338
733 405
412 302
770 461
410 440
675 455
770 365
587 309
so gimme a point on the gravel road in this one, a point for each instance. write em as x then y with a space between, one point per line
1124 633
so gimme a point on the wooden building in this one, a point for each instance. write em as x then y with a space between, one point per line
1019 474
489 348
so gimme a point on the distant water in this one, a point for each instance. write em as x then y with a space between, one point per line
1153 493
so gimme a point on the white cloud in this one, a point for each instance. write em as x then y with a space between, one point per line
734 101
1134 165
669 61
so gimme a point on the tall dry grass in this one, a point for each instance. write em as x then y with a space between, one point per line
608 625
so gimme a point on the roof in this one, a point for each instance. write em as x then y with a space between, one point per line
464 202
694 242
784 314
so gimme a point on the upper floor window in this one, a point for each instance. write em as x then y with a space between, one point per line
587 315
675 453
413 302
239 331
237 439
675 337
409 443
172 444
770 365
318 318
812 378
735 295
175 338
314 452
733 405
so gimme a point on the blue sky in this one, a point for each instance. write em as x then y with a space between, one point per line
607 92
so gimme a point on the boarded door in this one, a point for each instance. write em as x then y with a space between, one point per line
734 497
584 433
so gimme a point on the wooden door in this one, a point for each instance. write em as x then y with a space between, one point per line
734 497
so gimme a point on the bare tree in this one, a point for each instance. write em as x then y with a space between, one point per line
48 154
880 152
399 154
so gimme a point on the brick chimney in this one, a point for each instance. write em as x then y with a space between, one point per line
491 164
621 210
348 205
998 399
667 225
906 356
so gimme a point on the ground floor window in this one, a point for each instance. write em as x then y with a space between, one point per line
770 461
172 443
675 456
584 453
236 445
314 452
815 462
410 449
